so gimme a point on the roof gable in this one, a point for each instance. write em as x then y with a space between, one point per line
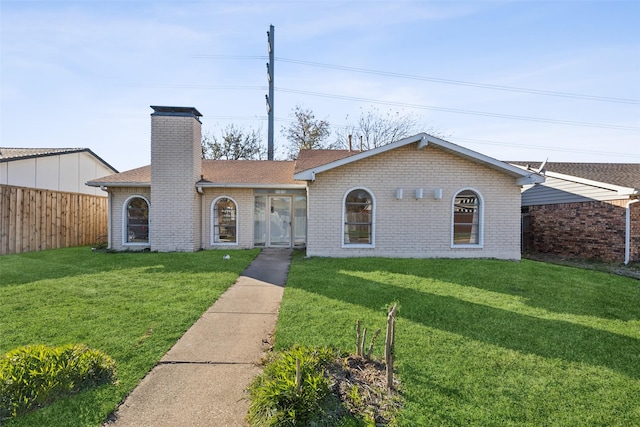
9 154
313 163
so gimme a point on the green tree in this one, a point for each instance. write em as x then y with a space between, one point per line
305 132
234 143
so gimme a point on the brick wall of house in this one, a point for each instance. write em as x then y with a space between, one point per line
587 230
413 227
175 168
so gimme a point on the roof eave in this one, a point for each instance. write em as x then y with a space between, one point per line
423 140
60 153
249 185
117 184
621 190
530 179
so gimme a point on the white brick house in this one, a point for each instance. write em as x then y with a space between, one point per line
418 197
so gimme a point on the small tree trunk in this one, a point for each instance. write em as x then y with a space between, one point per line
362 343
357 338
390 344
373 341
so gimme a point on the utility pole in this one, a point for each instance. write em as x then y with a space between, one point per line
270 41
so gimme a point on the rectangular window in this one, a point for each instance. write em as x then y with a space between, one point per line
260 221
300 220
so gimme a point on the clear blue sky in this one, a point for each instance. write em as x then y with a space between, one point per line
515 80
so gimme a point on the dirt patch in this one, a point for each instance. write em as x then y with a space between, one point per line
360 384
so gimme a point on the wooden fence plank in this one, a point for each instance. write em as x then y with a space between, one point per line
34 219
4 219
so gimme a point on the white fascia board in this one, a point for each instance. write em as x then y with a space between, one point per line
510 169
530 179
423 139
234 185
623 191
117 184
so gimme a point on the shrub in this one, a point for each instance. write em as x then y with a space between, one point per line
36 375
278 400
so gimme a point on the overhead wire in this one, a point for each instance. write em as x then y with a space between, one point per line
453 110
461 111
435 79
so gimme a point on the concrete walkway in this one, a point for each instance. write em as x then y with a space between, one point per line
201 380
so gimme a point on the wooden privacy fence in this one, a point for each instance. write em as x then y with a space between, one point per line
32 219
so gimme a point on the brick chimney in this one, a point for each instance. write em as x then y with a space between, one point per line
176 164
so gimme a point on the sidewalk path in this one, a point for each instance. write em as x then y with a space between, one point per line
201 380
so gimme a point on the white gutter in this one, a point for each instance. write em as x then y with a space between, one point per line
627 235
275 186
109 202
202 218
118 184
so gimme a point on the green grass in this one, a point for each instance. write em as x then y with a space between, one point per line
482 342
132 306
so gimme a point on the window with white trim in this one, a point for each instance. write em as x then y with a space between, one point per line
467 219
225 224
358 218
137 220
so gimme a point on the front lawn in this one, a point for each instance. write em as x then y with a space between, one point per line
132 306
482 342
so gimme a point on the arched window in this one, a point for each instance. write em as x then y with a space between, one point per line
225 224
467 219
358 226
136 220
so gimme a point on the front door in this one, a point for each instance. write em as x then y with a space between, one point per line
279 221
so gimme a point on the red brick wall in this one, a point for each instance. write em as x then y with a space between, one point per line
587 230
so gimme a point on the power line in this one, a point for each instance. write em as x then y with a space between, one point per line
538 147
451 138
402 104
436 79
464 83
460 111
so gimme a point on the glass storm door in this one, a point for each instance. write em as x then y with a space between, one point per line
279 221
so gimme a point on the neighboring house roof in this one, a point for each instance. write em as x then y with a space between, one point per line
217 173
579 182
318 161
620 174
8 154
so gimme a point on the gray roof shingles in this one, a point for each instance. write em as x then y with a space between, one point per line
621 174
8 153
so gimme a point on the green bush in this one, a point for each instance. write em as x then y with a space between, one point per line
276 398
36 375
